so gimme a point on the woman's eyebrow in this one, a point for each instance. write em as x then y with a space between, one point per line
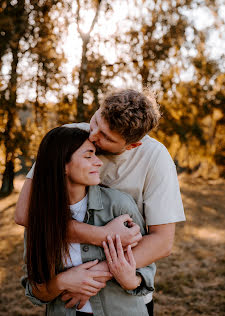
89 151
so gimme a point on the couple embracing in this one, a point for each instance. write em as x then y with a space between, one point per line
100 207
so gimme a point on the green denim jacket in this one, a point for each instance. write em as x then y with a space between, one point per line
104 204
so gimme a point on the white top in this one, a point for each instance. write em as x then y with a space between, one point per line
78 211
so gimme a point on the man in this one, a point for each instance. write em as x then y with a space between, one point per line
136 164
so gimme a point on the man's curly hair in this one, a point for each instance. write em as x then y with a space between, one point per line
130 113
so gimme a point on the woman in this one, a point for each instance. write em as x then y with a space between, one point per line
64 183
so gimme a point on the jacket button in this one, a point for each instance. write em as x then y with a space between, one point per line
85 248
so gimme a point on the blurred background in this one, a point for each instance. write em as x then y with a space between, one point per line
59 58
57 61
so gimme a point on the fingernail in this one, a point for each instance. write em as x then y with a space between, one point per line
117 236
103 243
108 237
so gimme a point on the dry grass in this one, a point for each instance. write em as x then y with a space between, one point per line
189 282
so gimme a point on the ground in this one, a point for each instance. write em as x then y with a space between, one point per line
191 281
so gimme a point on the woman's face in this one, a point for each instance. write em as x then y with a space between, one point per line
84 165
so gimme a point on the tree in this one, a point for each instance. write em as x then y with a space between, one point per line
27 32
14 20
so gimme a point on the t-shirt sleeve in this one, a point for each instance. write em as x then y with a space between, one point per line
31 172
162 198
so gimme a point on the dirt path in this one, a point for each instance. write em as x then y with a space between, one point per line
189 282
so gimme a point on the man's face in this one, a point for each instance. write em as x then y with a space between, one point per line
103 138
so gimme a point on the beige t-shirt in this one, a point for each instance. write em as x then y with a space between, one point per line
148 174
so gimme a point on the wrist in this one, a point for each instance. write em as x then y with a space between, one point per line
99 236
60 281
136 282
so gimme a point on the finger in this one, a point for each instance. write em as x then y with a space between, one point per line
94 285
119 248
131 257
135 229
112 249
82 303
135 238
66 297
88 292
103 279
89 264
107 253
133 244
125 218
96 274
72 302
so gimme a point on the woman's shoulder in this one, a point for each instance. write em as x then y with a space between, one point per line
116 196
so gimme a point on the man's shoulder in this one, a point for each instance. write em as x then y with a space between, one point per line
152 148
150 143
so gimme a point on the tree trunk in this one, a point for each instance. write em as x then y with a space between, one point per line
8 175
82 77
84 61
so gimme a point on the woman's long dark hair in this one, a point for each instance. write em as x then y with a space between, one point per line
49 211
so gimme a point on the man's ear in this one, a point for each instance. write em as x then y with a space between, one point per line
134 145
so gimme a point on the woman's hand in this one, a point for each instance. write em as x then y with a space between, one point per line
82 280
123 270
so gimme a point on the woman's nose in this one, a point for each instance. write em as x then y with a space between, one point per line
98 162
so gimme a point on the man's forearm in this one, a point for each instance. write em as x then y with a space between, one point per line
48 291
154 246
85 233
22 205
95 235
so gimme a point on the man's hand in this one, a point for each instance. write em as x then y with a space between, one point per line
81 280
74 299
128 235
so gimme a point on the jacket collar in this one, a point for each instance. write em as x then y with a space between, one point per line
95 198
